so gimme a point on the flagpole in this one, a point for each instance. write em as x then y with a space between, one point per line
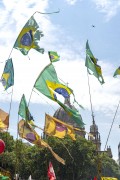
11 92
98 174
67 150
17 162
10 100
47 12
35 83
30 96
90 97
91 107
12 86
9 111
45 100
38 95
112 124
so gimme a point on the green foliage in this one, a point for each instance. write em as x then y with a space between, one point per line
109 166
9 141
80 157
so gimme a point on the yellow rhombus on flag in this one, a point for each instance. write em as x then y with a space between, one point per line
108 178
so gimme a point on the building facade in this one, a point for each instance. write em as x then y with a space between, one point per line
97 139
62 115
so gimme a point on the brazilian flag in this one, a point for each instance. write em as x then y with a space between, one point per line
7 78
117 72
48 84
92 66
23 110
29 37
53 56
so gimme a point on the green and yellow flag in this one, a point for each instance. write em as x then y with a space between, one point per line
48 84
4 120
24 110
108 178
73 113
117 72
57 128
7 78
26 131
53 56
92 66
29 37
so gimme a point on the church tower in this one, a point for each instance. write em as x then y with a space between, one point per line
96 134
62 115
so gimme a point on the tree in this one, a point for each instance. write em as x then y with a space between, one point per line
80 157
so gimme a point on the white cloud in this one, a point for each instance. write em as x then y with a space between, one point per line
108 7
71 2
71 68
15 15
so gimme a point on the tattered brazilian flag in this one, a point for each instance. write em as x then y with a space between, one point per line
29 37
53 56
4 120
73 113
27 132
48 84
117 72
92 66
23 110
57 128
7 78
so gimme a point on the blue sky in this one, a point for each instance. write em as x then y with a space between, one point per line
65 32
